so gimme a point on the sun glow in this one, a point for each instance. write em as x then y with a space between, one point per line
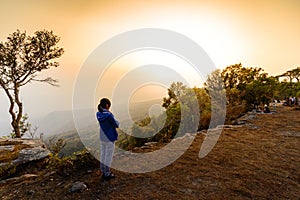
128 63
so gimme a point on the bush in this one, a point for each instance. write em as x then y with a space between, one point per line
235 111
66 164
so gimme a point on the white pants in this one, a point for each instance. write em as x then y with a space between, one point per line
106 155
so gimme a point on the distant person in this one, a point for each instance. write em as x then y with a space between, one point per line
295 101
267 109
292 101
108 136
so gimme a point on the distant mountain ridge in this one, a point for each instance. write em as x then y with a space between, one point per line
59 122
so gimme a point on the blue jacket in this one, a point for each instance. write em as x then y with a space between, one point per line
108 125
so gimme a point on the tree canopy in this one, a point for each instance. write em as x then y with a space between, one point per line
22 57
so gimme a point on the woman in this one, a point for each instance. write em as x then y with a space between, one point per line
108 136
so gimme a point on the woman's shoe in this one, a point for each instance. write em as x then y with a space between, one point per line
110 176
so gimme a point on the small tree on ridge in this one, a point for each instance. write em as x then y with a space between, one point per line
22 57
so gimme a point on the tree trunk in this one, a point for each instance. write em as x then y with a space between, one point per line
11 109
15 119
20 111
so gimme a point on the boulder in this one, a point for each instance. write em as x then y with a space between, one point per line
31 154
77 187
15 152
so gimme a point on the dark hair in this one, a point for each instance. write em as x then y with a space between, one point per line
103 103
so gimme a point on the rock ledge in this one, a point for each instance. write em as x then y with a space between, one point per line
15 152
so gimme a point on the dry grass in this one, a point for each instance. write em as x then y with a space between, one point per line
246 163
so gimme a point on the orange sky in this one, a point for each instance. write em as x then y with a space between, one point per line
258 33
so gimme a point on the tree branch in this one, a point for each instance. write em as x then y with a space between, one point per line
48 80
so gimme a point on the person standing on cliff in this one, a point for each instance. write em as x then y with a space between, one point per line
108 136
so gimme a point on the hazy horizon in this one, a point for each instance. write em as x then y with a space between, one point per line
255 33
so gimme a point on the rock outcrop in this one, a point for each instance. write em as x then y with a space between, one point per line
15 152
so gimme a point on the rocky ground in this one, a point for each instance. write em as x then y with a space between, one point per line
257 160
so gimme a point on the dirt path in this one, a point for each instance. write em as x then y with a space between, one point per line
261 161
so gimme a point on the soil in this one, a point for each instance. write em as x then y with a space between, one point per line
259 160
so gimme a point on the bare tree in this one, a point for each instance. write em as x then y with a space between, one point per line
22 57
292 74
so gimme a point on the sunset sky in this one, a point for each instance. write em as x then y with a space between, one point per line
257 33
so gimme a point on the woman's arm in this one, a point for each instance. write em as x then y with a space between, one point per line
114 121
